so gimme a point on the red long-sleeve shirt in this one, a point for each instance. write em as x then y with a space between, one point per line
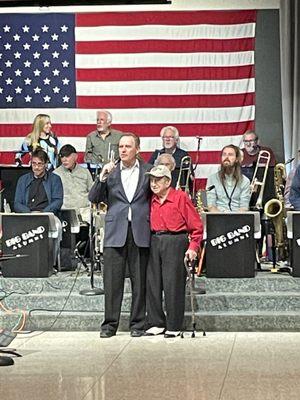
177 213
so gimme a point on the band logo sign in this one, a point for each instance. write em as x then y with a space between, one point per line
26 238
230 238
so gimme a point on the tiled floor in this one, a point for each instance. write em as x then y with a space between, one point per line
226 366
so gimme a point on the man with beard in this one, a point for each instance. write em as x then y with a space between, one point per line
103 142
230 189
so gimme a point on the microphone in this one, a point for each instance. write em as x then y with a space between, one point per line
289 161
210 188
105 172
199 138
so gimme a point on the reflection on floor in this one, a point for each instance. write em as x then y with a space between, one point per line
223 366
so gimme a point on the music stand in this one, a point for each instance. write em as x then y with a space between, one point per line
93 291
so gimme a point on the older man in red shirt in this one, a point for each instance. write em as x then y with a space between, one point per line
176 234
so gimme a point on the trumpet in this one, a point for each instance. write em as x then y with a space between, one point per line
184 174
257 184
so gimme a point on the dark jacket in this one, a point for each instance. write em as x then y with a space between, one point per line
178 156
112 193
53 188
295 190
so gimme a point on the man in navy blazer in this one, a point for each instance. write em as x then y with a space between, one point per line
124 187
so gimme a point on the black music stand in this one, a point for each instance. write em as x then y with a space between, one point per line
293 234
33 234
230 247
93 291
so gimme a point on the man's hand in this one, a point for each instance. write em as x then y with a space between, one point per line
106 170
190 255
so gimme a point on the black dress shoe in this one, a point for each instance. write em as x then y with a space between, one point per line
107 334
171 334
136 333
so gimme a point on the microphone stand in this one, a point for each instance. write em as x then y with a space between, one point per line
196 164
93 291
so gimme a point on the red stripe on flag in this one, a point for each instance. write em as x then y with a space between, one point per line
145 101
139 74
166 46
207 157
165 18
151 130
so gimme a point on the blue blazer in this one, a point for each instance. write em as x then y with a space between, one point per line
112 193
53 188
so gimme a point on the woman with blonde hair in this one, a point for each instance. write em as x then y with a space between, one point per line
40 137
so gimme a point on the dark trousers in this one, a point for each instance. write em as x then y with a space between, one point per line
115 259
166 273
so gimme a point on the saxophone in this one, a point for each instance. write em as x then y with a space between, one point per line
275 209
199 202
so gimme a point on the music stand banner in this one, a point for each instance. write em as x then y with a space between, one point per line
27 235
230 248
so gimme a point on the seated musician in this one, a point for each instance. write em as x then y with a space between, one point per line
176 234
295 190
288 184
250 153
39 190
170 139
77 182
229 189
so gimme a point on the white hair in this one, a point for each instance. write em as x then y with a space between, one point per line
170 159
171 128
107 113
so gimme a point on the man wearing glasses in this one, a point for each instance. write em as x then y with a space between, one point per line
170 139
39 190
250 153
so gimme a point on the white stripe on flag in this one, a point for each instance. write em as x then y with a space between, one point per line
161 60
164 32
148 144
166 116
165 87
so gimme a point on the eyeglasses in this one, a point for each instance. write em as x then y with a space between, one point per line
250 141
37 164
168 137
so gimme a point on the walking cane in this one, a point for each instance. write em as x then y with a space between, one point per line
187 265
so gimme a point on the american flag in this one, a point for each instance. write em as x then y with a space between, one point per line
190 69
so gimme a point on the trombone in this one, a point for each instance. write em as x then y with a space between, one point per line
184 174
256 183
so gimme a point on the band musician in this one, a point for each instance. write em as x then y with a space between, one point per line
251 151
228 189
40 191
294 197
76 180
101 143
124 187
170 142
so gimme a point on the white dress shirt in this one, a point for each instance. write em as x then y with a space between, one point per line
130 178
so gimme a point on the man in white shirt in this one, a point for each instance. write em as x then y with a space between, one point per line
124 187
229 189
